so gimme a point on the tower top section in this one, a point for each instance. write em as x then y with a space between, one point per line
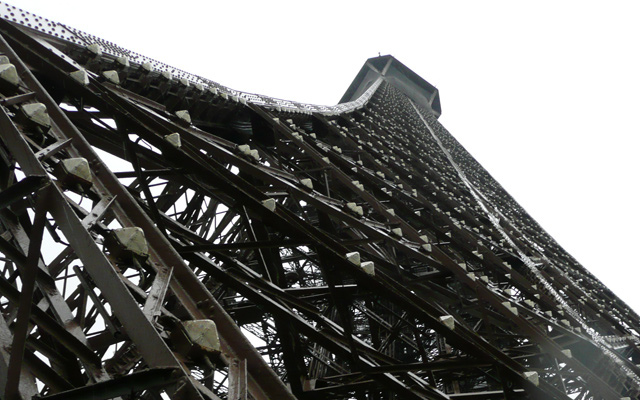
398 75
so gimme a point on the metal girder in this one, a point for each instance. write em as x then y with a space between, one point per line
21 189
28 277
126 385
358 254
84 246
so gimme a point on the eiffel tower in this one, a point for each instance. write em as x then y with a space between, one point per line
164 236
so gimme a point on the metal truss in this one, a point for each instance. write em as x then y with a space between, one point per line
57 31
161 240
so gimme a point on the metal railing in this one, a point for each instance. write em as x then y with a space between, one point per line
78 37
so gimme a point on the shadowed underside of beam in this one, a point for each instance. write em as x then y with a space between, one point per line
164 236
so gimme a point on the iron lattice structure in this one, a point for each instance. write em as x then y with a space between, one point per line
347 252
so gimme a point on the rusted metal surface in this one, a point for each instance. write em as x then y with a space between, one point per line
356 252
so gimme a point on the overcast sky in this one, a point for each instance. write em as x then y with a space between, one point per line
544 94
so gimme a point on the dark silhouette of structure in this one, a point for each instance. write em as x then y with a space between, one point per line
163 236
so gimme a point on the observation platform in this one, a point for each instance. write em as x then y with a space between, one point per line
400 76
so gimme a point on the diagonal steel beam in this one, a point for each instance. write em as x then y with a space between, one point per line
21 189
28 274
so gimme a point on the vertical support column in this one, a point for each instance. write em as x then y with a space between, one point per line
28 279
237 379
27 385
157 293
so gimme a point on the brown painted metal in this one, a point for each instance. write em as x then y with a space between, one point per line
28 274
253 222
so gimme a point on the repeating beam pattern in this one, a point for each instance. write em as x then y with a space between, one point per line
162 240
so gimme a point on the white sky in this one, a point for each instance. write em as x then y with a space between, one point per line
544 94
